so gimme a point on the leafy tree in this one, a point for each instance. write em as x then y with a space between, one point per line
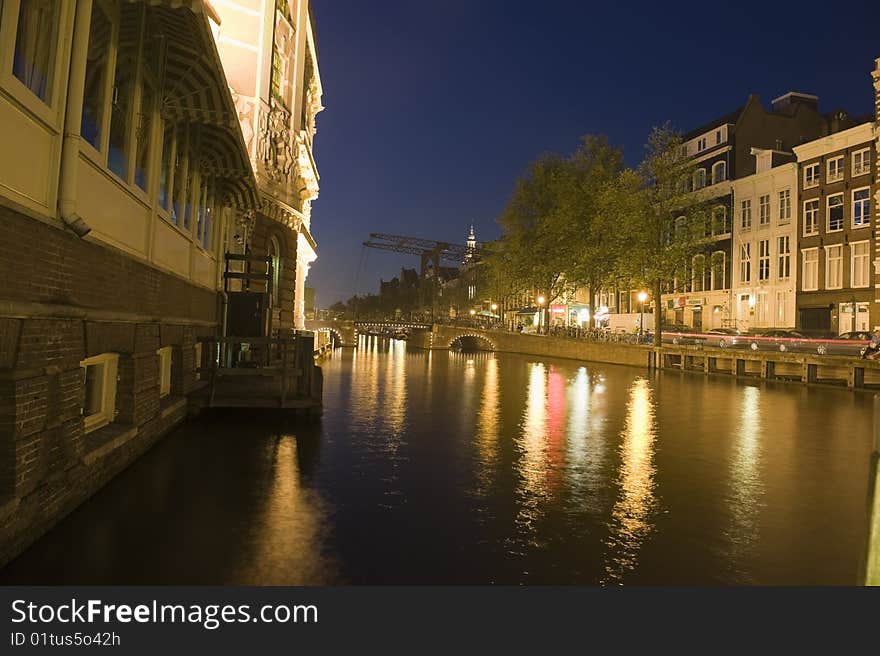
659 222
554 237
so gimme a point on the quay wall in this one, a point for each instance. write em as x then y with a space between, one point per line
65 299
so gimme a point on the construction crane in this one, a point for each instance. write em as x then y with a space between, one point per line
429 250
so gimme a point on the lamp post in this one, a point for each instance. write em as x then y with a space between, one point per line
494 307
643 296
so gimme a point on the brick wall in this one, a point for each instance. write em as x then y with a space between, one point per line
48 463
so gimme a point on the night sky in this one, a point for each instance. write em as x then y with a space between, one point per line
433 108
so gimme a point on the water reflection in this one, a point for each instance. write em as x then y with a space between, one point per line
488 425
746 485
632 513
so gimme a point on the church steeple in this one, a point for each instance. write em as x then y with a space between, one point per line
471 245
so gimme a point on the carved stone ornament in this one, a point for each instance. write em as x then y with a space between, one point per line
275 152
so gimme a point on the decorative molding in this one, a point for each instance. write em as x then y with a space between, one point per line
274 151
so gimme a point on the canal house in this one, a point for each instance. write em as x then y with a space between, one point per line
126 179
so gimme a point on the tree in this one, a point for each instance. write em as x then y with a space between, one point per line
551 238
660 222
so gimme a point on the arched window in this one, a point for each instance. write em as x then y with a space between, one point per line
699 178
719 172
680 226
720 225
275 254
719 270
699 273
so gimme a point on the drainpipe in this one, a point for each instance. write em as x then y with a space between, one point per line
72 119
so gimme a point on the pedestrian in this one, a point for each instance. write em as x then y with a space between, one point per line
872 351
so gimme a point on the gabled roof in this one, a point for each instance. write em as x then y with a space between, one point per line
727 119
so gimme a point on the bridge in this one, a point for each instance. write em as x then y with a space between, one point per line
345 333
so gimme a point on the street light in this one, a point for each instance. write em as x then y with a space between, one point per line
643 296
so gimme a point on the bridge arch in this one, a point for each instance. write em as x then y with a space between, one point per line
472 342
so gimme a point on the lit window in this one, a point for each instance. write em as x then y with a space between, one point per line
36 41
835 169
165 360
811 269
861 211
835 212
99 380
834 267
861 263
861 162
811 175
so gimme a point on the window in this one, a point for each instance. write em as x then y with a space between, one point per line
165 358
811 217
834 267
204 217
35 43
811 175
92 122
861 211
275 255
835 212
745 262
835 169
719 270
782 308
764 210
762 308
720 224
120 114
143 129
811 269
717 137
699 273
699 178
701 144
785 206
166 175
861 263
764 259
719 172
861 162
99 380
680 225
783 246
746 214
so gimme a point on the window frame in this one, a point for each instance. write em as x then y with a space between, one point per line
814 209
783 257
842 206
865 164
763 260
817 166
866 219
838 174
745 262
867 258
784 210
109 378
745 211
719 166
815 263
166 363
764 210
838 265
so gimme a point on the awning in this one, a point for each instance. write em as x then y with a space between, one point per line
486 313
524 311
194 89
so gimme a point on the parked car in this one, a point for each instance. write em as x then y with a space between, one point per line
725 338
783 340
678 333
852 343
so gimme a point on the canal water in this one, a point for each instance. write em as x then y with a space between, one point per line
489 469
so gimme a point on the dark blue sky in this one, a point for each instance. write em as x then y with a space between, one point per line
434 107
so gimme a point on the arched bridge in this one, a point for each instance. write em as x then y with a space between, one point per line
346 333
